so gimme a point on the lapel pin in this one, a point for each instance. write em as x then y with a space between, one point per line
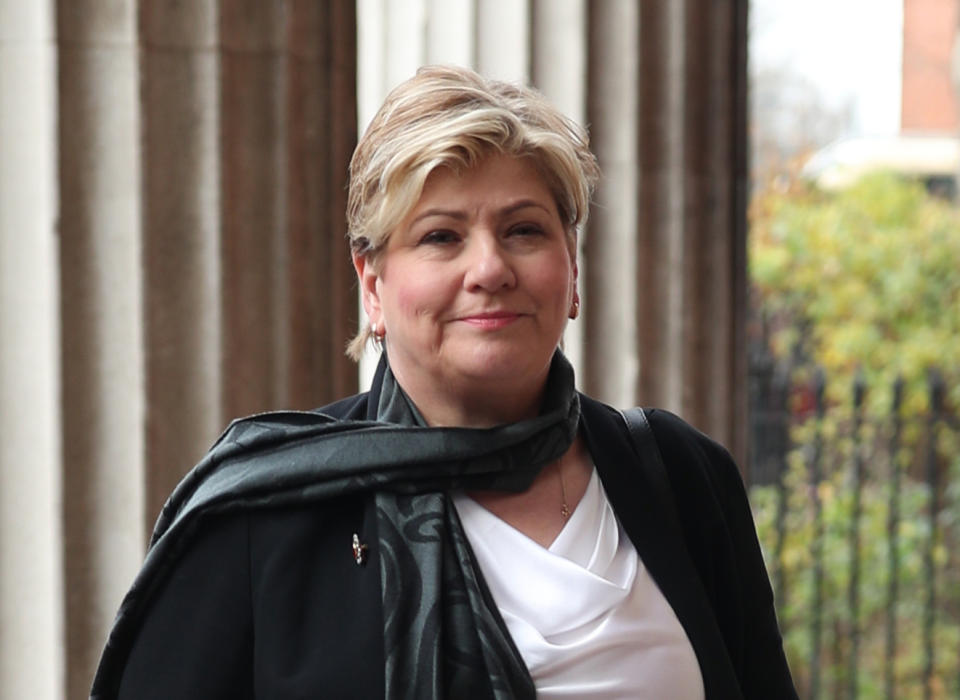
359 550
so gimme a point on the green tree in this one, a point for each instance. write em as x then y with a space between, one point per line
870 274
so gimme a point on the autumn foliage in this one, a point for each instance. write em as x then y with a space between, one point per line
864 283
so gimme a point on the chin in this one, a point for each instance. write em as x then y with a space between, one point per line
503 364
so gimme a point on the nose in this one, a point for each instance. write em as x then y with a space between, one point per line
489 267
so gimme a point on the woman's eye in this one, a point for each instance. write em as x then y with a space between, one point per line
440 237
523 230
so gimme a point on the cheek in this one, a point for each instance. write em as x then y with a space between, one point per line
414 296
556 282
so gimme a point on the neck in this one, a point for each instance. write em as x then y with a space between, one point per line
443 404
482 409
538 511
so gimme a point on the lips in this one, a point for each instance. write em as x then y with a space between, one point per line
491 319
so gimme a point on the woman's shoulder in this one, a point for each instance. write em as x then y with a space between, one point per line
672 432
231 613
688 453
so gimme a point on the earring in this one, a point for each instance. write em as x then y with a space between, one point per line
575 308
378 335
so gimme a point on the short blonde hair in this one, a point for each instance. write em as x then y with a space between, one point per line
453 117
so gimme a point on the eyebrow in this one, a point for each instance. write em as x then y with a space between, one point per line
460 215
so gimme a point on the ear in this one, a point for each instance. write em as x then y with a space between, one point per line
367 277
572 246
575 295
576 274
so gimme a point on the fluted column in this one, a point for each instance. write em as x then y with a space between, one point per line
559 69
504 39
611 358
252 206
690 229
31 539
182 224
101 316
317 304
250 117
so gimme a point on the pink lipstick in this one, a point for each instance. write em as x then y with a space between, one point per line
491 320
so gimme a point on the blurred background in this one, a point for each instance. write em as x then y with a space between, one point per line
774 253
854 339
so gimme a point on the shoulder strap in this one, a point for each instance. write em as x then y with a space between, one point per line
682 585
645 445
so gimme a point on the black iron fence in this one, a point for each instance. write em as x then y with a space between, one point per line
857 500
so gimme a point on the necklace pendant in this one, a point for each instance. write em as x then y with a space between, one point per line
564 511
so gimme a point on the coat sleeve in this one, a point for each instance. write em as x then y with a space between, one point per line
195 641
720 533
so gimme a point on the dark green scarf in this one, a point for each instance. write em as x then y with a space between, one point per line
443 637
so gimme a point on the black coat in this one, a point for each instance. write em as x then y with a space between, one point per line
271 604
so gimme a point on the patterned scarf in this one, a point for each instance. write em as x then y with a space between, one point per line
443 636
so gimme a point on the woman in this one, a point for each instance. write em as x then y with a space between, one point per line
471 527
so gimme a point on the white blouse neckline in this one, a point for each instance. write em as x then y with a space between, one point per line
588 619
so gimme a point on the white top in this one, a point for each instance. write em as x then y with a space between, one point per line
585 614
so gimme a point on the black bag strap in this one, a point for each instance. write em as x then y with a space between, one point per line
719 676
645 445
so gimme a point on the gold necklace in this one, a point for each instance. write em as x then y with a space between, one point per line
564 508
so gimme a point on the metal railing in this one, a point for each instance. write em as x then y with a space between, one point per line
858 511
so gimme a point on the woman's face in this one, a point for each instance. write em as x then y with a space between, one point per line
473 291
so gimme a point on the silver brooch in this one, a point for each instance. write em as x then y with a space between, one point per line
359 550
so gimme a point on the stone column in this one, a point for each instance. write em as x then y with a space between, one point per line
559 69
182 233
101 316
611 358
31 537
685 145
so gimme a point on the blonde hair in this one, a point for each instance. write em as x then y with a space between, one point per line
453 117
